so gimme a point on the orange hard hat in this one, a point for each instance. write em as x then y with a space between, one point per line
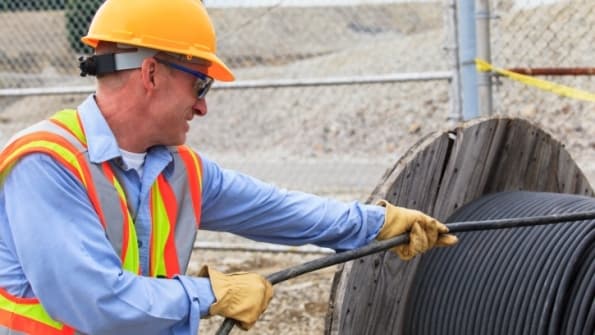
177 26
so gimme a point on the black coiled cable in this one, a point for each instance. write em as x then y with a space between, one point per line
530 280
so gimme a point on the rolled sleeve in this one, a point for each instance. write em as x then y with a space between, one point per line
200 294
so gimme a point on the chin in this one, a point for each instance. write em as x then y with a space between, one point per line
178 140
182 140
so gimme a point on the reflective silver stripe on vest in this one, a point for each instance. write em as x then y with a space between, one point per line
186 223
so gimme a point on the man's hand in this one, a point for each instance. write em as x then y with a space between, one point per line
240 296
425 232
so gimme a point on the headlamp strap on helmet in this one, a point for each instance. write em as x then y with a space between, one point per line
97 65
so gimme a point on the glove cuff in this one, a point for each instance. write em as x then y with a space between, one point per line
219 284
388 229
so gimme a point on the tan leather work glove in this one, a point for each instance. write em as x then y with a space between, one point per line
240 296
425 232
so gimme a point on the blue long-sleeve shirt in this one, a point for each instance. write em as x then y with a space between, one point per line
53 246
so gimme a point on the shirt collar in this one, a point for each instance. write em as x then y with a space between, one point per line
101 143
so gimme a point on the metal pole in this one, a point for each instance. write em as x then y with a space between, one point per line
452 40
484 82
554 71
467 54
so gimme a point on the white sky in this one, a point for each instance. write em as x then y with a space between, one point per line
314 3
300 3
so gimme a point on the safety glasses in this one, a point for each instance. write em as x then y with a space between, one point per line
201 85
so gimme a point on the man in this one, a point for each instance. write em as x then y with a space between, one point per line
99 206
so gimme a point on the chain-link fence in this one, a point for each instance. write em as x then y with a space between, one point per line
327 139
556 35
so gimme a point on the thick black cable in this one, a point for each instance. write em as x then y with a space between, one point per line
590 322
586 289
532 280
455 227
564 302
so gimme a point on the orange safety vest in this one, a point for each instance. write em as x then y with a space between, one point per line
175 205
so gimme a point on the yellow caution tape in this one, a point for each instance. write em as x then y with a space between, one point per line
483 66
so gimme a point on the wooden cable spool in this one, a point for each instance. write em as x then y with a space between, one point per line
439 175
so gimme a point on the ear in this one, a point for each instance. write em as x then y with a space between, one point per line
148 72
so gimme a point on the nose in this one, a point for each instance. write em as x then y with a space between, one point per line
200 107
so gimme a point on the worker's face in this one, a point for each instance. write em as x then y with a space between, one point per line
177 103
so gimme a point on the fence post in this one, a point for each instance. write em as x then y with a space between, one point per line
452 48
467 54
484 82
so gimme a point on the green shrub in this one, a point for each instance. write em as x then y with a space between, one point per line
79 14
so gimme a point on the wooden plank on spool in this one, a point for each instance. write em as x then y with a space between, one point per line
438 175
468 168
375 275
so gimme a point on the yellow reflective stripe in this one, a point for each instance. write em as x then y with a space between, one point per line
131 258
197 168
33 311
64 153
68 118
194 172
194 164
160 233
